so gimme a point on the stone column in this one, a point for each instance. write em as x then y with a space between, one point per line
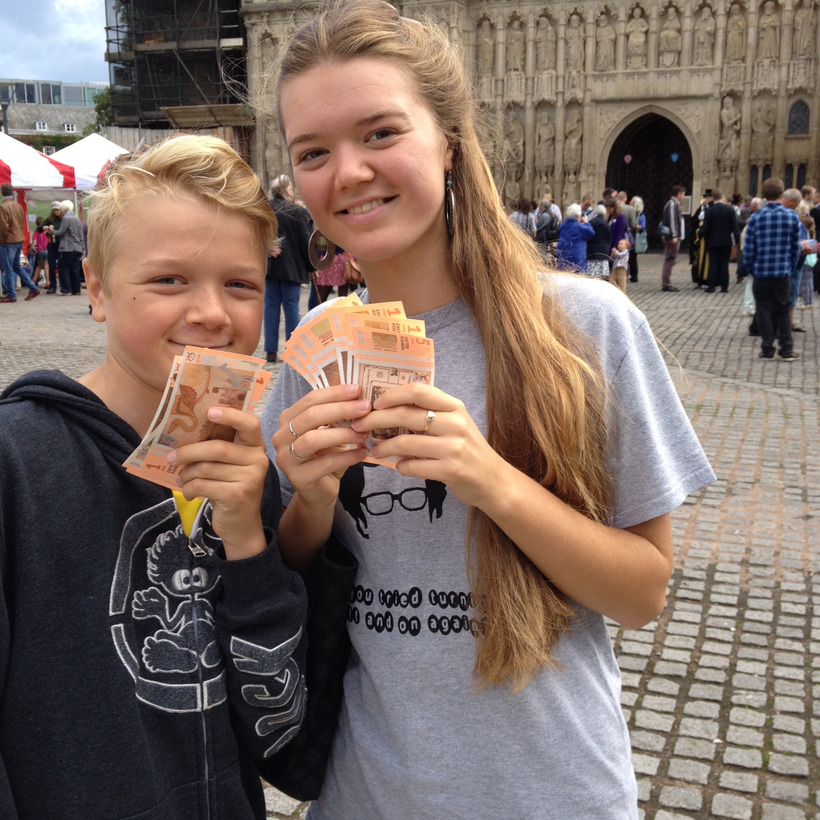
529 107
686 38
652 39
786 29
620 40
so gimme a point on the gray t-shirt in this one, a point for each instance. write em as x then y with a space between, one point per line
416 738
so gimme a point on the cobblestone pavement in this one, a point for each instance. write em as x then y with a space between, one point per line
722 692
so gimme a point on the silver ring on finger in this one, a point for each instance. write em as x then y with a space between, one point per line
297 457
429 419
290 427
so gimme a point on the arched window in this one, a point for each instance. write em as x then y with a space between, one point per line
799 118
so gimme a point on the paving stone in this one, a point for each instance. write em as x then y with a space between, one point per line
790 744
789 765
676 797
730 805
747 717
645 764
689 770
746 758
692 747
771 811
788 791
739 781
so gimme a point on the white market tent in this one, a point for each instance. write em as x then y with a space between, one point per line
23 167
88 157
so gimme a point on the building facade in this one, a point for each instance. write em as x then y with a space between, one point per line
631 94
47 113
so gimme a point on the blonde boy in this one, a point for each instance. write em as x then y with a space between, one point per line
151 647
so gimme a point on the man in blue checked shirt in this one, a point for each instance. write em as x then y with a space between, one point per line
771 252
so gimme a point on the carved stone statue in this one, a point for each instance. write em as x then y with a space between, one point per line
669 42
486 49
514 146
545 45
763 121
636 30
729 143
805 27
704 52
573 142
735 36
544 143
515 48
575 44
768 27
604 44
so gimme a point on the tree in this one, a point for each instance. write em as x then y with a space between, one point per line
105 113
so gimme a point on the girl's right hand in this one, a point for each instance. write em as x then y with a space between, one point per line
313 442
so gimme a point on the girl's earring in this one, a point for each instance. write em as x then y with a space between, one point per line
449 203
320 251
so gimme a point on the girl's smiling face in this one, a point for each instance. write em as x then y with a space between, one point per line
368 159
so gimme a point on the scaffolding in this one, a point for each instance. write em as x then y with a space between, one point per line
179 63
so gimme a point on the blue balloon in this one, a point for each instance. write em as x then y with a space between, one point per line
675 157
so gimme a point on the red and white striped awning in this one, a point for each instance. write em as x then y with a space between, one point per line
24 167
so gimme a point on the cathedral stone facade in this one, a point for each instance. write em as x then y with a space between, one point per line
632 94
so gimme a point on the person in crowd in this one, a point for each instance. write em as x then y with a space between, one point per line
617 223
545 227
598 248
620 264
631 215
698 257
742 270
771 253
809 261
153 639
53 221
70 235
814 213
587 206
641 239
548 386
792 199
289 264
720 234
573 235
524 217
39 245
672 234
12 236
334 276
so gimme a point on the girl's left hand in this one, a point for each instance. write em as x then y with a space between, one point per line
444 445
231 475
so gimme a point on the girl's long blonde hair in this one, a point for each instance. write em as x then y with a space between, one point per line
545 397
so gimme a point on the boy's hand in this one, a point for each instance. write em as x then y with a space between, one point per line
231 474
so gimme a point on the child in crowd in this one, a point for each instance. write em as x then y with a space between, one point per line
39 247
532 496
151 644
620 265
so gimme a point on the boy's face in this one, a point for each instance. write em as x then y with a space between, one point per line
186 273
623 245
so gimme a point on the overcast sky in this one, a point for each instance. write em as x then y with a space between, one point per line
60 40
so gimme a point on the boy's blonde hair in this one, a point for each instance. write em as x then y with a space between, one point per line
545 396
187 166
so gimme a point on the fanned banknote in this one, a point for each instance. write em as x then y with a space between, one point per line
374 345
199 379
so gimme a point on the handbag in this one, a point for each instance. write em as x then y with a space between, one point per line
664 231
641 242
299 768
353 273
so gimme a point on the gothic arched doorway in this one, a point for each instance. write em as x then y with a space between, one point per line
648 158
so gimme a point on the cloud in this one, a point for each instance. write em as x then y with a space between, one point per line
59 40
